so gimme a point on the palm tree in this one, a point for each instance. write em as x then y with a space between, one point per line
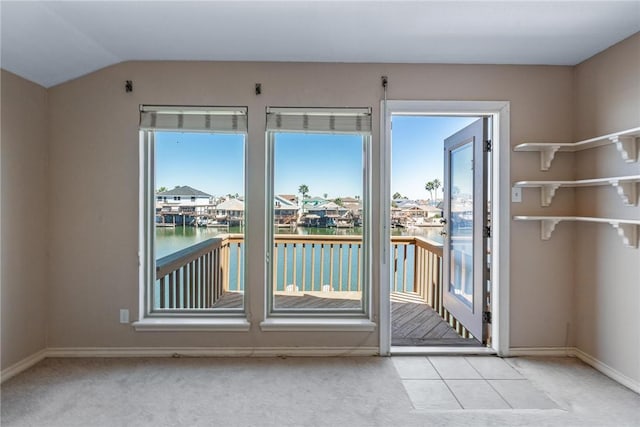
397 196
430 186
304 190
161 189
436 184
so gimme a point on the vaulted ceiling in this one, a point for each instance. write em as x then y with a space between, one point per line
52 42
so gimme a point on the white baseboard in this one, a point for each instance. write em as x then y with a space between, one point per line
22 365
612 373
211 351
541 351
598 365
29 361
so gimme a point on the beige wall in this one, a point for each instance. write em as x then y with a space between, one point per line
607 288
94 169
24 218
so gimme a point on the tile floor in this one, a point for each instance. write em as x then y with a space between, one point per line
475 382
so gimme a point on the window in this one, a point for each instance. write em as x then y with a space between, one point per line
319 206
194 181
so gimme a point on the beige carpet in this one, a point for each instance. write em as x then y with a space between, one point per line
286 392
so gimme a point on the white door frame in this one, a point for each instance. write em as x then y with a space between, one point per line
501 217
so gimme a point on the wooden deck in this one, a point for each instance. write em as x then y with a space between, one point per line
414 323
306 300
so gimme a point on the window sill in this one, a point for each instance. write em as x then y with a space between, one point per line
317 324
190 325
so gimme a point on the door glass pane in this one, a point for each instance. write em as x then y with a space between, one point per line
461 224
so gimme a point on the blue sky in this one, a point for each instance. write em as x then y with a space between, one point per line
213 163
330 164
417 152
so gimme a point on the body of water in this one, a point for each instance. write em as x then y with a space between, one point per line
170 240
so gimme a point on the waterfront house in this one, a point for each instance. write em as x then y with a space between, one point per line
230 212
312 202
183 205
324 214
285 210
80 81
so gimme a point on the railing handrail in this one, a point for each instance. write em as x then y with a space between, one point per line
429 245
174 261
302 238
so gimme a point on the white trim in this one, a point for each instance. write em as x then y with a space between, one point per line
501 168
22 365
211 351
317 325
607 370
226 324
423 351
541 351
501 216
384 297
596 364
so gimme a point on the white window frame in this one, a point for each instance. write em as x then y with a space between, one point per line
501 217
225 320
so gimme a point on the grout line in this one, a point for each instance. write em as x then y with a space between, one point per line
500 394
434 367
474 368
453 394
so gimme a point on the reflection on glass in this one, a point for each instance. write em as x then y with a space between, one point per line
317 258
461 224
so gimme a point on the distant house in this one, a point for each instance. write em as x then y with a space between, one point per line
285 210
353 204
324 215
230 212
182 204
328 209
184 199
289 197
312 202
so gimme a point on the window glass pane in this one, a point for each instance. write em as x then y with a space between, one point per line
318 253
198 221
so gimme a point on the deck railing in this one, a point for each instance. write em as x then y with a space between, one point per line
191 278
197 276
317 263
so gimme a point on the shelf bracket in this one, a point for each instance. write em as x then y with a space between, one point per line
627 146
627 190
628 232
546 227
546 156
547 192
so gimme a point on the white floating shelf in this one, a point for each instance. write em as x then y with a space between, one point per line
626 187
627 228
626 143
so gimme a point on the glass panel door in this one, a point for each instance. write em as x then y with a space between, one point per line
464 255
